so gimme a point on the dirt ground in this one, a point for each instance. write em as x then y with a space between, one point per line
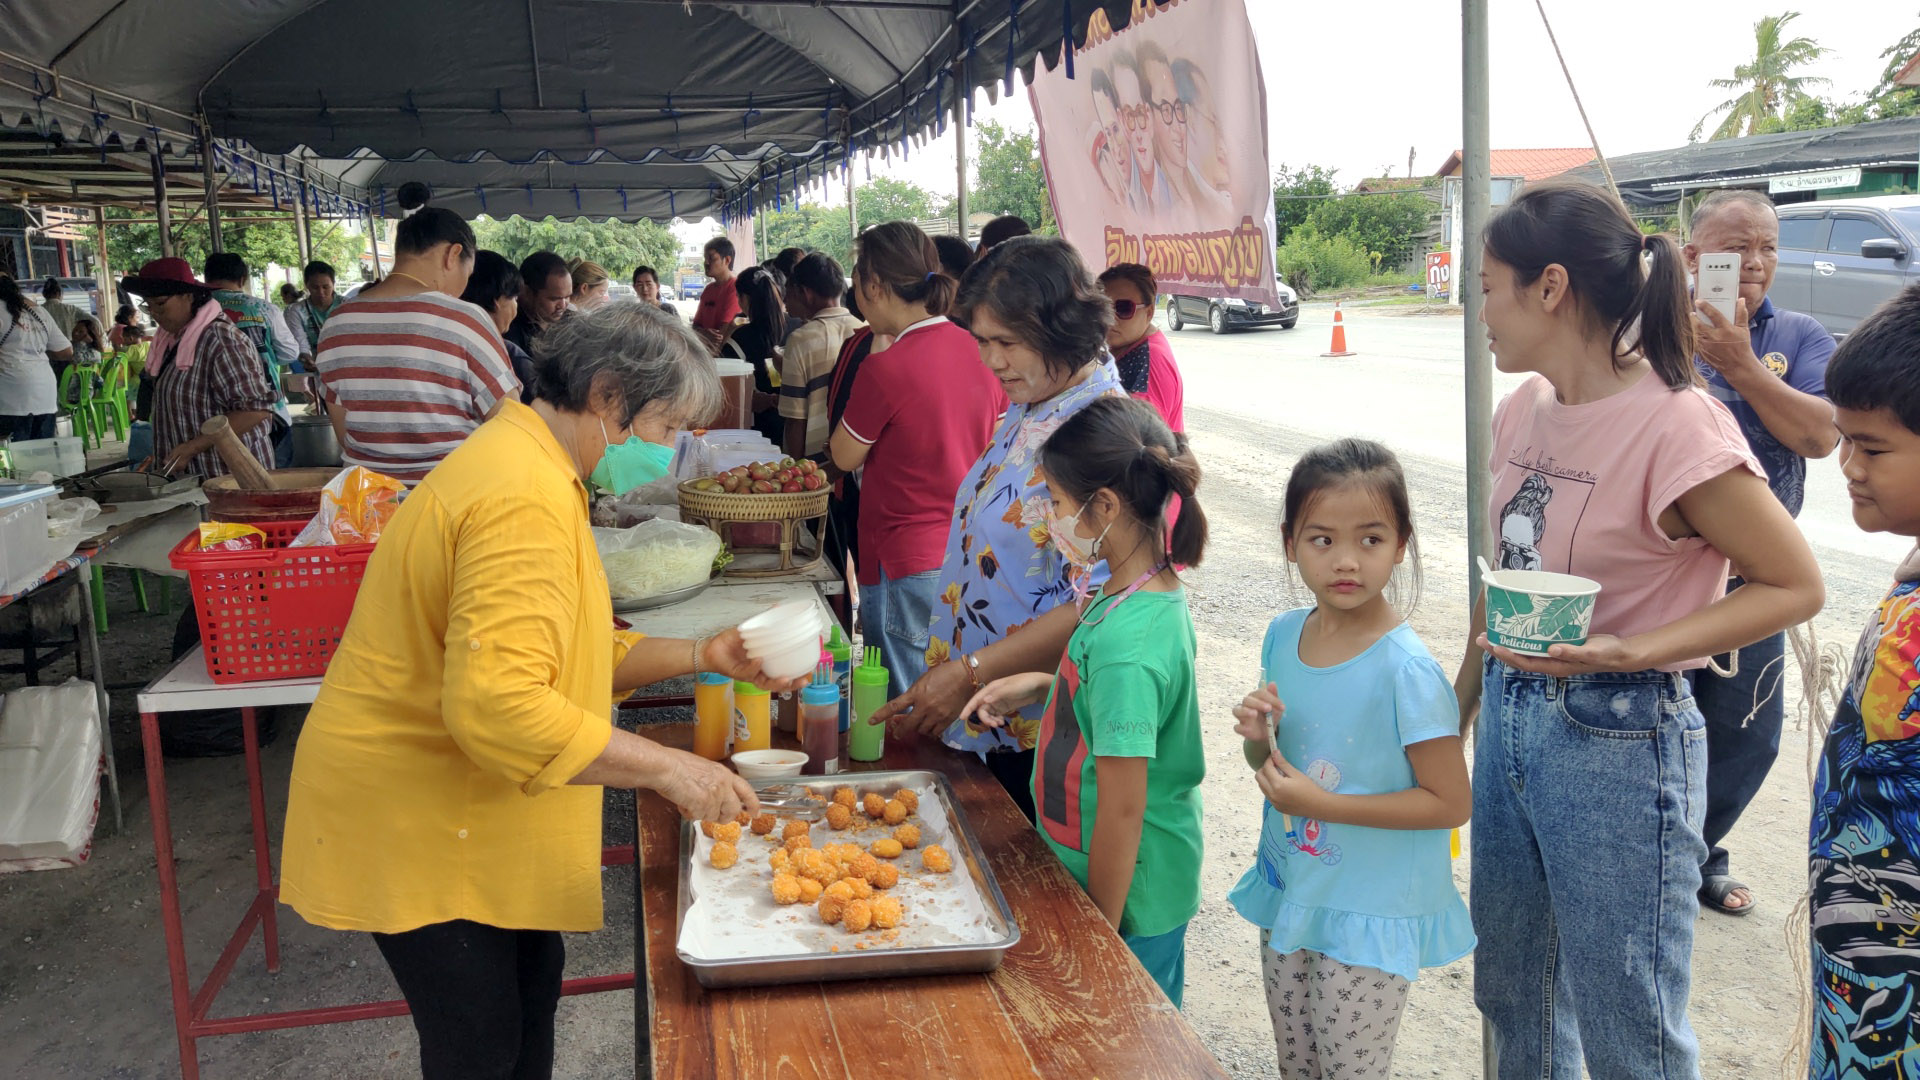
83 988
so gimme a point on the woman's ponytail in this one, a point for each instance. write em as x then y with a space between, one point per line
1121 444
1663 316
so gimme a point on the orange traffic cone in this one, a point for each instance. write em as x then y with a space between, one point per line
1339 347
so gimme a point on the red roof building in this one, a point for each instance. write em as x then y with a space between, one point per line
1528 165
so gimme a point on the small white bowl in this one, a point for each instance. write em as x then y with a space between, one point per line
769 764
771 640
790 661
782 618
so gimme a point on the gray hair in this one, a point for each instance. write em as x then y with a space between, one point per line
1724 198
635 351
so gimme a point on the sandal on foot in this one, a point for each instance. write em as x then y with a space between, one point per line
1715 890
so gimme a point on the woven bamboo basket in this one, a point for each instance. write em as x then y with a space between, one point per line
749 524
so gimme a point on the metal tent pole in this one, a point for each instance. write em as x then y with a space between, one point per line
302 226
103 273
373 241
1476 189
211 182
160 214
960 151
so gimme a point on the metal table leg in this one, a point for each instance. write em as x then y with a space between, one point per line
262 856
178 980
100 689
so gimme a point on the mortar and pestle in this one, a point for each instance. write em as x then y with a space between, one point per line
251 493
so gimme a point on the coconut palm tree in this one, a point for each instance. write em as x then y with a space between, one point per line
1766 83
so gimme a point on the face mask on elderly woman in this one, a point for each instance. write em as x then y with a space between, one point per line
630 464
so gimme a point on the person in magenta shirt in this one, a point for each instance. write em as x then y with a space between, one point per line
1142 353
720 300
919 414
1611 463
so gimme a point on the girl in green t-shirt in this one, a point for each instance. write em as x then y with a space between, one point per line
1116 776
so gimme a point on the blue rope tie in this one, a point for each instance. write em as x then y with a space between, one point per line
481 194
1066 33
673 208
623 198
593 130
746 118
383 200
1013 38
273 189
529 195
576 198
674 115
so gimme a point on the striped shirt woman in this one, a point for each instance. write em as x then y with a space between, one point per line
415 375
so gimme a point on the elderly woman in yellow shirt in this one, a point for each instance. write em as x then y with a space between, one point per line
446 791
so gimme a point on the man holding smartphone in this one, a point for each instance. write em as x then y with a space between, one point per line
1769 366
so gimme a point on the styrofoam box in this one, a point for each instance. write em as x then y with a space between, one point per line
24 547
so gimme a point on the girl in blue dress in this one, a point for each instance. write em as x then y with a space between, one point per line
1354 737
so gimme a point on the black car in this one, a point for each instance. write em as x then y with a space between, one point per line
1231 314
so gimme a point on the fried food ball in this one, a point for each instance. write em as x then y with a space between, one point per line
893 812
794 828
706 829
874 805
781 860
819 868
908 835
764 824
936 859
857 916
842 852
839 816
888 848
886 912
802 842
909 798
729 832
742 818
841 889
810 890
885 875
786 889
723 855
845 797
831 907
861 890
862 864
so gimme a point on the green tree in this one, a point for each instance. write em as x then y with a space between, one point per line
130 246
1811 114
618 246
1767 84
1888 100
1295 194
823 228
1383 226
1011 180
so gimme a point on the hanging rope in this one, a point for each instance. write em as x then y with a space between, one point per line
1605 169
623 199
673 208
481 194
673 114
576 198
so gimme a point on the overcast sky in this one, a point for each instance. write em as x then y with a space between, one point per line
1353 86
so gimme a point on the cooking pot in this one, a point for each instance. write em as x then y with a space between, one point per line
314 445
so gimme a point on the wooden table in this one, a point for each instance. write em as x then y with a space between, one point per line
1070 1001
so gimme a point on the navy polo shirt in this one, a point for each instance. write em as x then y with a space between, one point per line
1795 347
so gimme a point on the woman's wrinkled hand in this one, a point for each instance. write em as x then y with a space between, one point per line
1002 698
726 654
931 704
705 790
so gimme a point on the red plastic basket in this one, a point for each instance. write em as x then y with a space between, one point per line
276 613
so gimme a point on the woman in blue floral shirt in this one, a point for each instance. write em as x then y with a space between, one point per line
1005 600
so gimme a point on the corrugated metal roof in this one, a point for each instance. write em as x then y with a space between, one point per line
1757 155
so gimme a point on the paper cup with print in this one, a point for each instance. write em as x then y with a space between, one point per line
1530 611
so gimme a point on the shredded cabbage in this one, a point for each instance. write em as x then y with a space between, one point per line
656 557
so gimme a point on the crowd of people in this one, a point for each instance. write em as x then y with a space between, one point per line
1015 502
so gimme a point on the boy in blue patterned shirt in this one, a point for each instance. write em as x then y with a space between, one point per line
1864 862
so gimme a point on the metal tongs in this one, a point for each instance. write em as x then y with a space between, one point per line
787 800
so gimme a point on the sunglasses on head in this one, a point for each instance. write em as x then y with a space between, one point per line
1125 309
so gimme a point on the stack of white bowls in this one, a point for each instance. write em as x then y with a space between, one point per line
785 639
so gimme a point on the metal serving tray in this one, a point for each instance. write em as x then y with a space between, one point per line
868 963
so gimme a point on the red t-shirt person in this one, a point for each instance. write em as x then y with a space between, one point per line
927 406
719 304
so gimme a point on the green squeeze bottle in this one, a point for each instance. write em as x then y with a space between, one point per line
866 740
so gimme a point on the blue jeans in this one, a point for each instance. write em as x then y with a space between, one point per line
1744 715
897 615
1588 796
1165 958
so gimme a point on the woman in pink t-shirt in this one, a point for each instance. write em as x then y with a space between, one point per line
1590 764
1142 354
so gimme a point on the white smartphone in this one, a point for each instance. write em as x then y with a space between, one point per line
1718 281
